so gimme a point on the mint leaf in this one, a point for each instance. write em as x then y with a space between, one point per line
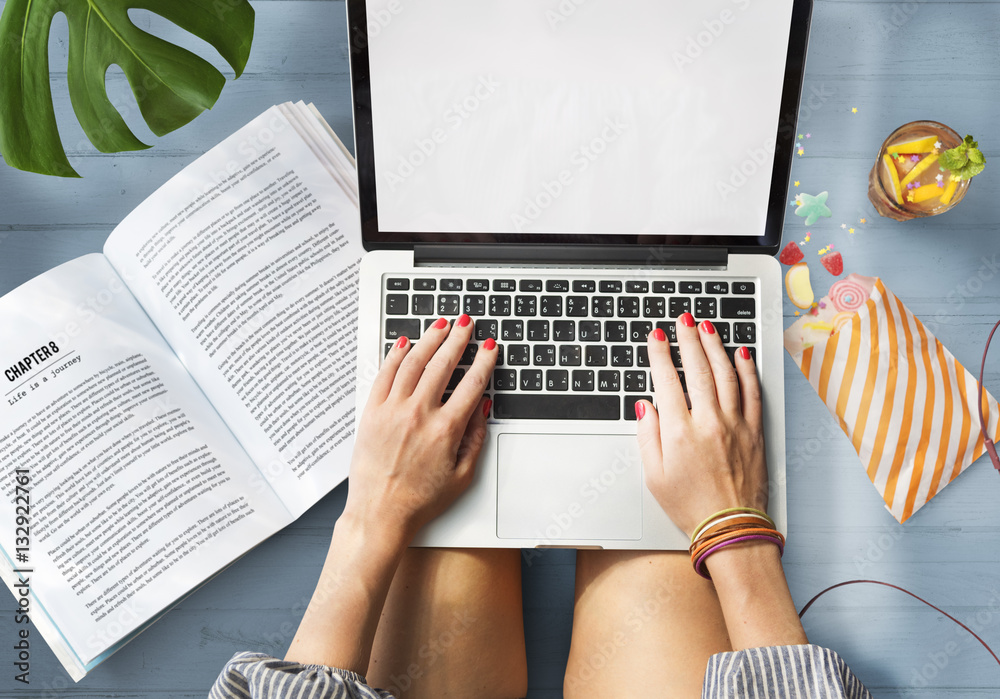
970 170
976 156
965 161
954 159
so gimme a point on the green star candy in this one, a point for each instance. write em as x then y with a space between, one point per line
813 207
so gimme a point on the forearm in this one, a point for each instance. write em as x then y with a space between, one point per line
339 624
754 595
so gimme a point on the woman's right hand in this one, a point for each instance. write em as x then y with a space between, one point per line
710 457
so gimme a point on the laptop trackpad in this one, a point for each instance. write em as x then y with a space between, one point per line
557 487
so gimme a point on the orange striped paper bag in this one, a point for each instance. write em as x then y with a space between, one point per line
908 406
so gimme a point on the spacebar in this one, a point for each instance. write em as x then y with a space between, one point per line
543 407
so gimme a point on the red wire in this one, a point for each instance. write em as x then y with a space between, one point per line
896 587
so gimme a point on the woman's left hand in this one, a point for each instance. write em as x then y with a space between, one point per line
413 454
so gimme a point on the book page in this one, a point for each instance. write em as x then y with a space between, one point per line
122 488
248 262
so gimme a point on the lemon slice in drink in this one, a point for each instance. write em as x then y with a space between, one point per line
920 145
891 169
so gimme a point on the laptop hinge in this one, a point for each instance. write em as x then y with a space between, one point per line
495 254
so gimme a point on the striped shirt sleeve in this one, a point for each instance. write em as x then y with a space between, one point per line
259 676
780 672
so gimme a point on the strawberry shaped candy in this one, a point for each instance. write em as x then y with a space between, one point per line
834 263
791 254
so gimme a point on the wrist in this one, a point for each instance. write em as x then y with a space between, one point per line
380 540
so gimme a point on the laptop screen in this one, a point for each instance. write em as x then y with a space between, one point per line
587 120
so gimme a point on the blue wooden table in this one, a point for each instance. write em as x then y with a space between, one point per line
893 62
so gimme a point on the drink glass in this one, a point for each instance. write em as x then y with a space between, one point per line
907 180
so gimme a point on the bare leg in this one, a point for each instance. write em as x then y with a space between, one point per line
452 626
644 624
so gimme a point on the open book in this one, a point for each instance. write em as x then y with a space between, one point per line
168 405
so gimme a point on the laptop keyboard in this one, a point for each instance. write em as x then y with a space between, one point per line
569 348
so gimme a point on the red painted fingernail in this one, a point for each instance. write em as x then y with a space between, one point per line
439 323
707 327
687 319
640 410
489 344
659 335
463 320
401 343
744 353
486 407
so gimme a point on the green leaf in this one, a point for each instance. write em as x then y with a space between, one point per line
976 156
171 85
965 160
953 159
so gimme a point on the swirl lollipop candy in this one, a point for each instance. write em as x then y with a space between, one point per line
847 295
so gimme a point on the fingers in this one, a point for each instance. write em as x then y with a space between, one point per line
469 392
727 387
669 391
749 390
472 441
442 364
415 362
697 370
650 445
385 376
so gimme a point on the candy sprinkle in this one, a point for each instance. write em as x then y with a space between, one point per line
843 225
797 182
808 135
801 151
937 144
915 158
851 231
864 221
854 110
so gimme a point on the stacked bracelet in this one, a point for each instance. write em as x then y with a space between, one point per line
731 526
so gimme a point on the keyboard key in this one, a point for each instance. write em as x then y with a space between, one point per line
679 306
538 330
611 287
576 306
635 381
675 356
621 355
397 284
486 328
469 355
744 333
544 355
388 346
547 407
589 331
499 305
630 402
564 331
504 285
474 305
690 287
597 355
669 328
583 380
531 380
428 322
628 306
456 376
584 286
518 355
663 288
451 285
642 355
731 351
557 285
723 329
424 284
638 330
744 287
397 304
423 304
738 308
445 397
525 305
396 328
557 380
530 285
504 380
615 331
716 287
705 307
477 285
499 354
448 304
512 330
570 355
551 306
603 306
637 287
654 307
609 380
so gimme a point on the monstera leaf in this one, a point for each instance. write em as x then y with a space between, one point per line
171 85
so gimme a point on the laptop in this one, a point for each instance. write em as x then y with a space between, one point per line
573 174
